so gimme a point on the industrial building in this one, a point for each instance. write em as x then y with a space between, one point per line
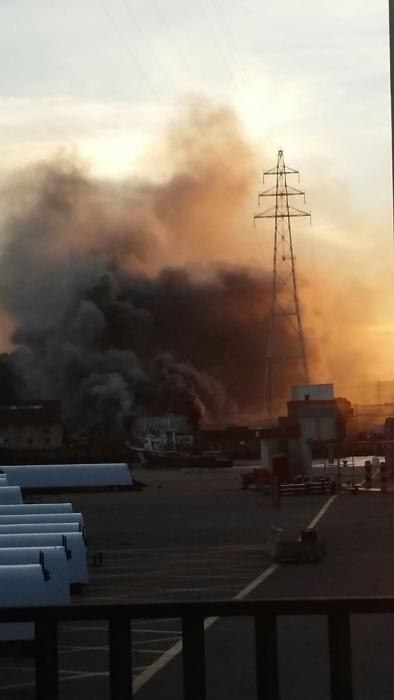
165 432
237 441
315 421
35 425
320 416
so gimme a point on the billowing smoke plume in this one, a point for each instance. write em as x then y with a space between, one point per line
114 312
138 297
111 343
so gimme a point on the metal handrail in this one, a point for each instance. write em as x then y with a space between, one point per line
218 608
192 614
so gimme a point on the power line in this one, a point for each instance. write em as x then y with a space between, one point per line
221 50
231 39
183 60
149 43
211 25
127 50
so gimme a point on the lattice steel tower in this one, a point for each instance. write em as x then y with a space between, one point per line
285 340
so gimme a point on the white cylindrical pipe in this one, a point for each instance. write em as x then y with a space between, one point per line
34 518
10 495
55 561
74 542
21 584
30 508
24 585
36 476
22 528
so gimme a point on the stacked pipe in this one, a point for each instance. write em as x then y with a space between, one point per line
43 555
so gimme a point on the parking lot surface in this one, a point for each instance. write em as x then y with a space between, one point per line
187 536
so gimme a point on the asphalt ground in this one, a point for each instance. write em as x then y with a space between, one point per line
188 536
192 536
358 531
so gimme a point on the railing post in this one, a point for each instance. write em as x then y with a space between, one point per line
266 657
340 656
120 665
46 657
194 686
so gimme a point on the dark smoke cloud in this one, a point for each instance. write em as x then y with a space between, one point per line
121 343
110 315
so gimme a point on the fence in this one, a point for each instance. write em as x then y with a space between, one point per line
265 614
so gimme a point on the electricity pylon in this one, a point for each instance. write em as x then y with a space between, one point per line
285 340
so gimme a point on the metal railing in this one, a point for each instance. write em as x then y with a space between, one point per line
338 612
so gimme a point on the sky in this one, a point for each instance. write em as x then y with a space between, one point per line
102 79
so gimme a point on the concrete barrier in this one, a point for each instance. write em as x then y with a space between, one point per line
30 508
10 495
73 541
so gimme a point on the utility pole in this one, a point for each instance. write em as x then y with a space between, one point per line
285 339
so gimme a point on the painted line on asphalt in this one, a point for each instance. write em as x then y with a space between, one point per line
72 675
16 686
154 631
113 574
20 668
157 666
156 619
82 675
372 477
84 628
140 642
322 512
176 649
257 582
74 649
32 684
148 651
